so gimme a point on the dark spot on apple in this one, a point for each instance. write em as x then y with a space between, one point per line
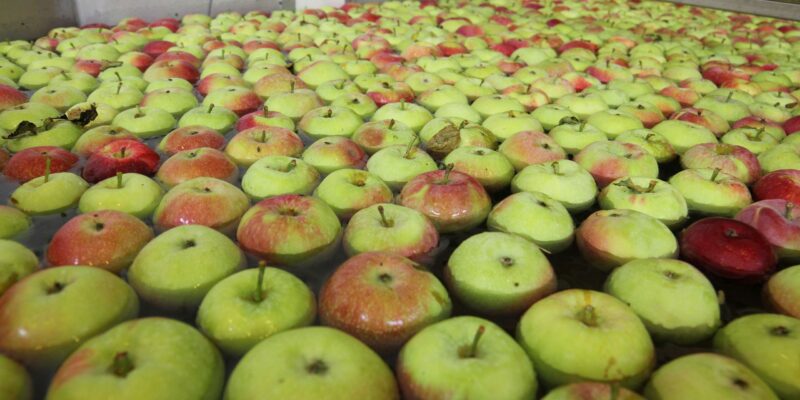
731 233
189 244
672 275
56 287
479 152
192 133
740 383
516 284
318 367
98 226
288 212
780 331
506 261
191 154
207 189
385 278
326 142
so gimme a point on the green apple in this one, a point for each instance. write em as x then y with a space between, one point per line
579 334
119 96
674 300
490 167
311 363
398 164
50 313
490 105
295 104
49 194
706 376
441 95
563 180
391 228
583 104
13 222
506 125
682 135
277 175
36 113
150 358
782 156
15 382
655 144
175 270
145 122
59 96
614 122
62 134
16 262
132 193
573 135
219 119
762 342
499 273
755 140
465 358
653 197
376 135
711 192
348 190
536 217
592 391
329 121
551 115
249 306
105 113
412 115
361 104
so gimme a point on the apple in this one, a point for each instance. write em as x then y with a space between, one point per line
709 376
653 197
202 162
382 299
332 153
145 122
536 217
777 221
85 301
106 239
33 161
11 97
551 115
320 72
278 175
204 201
349 190
781 292
564 181
652 142
376 135
491 168
49 194
59 96
609 161
506 125
13 222
219 119
119 96
313 362
143 358
237 316
733 160
361 104
250 145
294 104
756 340
120 156
95 138
728 248
54 133
573 135
530 147
682 135
755 140
442 135
17 262
35 113
465 357
398 164
591 391
649 114
290 230
264 117
596 328
15 382
614 122
175 270
131 193
610 238
453 201
410 114
705 118
393 229
783 156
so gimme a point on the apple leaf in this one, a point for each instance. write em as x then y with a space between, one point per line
444 141
24 128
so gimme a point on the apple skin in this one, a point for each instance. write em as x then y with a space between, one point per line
435 363
529 147
81 301
610 238
779 222
125 156
162 351
17 261
105 239
596 328
176 269
498 273
15 382
706 376
382 299
231 317
290 230
204 201
729 249
591 391
757 341
195 163
781 184
731 159
453 201
674 300
782 292
31 162
608 161
13 222
311 363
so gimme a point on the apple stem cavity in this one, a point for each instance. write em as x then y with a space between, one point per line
472 350
258 295
386 222
588 316
122 364
328 113
780 331
47 169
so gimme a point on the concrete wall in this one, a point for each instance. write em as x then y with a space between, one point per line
29 19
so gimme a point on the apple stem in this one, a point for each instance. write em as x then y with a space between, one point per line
266 109
119 86
715 173
391 123
556 169
386 222
210 108
462 124
730 94
588 316
119 78
402 105
119 180
258 296
473 349
291 86
583 125
447 169
263 137
410 148
47 168
122 364
291 165
760 132
329 113
789 208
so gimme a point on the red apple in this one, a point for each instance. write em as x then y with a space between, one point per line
781 184
124 155
31 162
106 239
10 97
790 126
157 47
729 249
202 201
779 222
165 69
730 159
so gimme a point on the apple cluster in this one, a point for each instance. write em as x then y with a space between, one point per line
452 199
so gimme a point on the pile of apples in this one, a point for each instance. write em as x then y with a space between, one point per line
453 199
